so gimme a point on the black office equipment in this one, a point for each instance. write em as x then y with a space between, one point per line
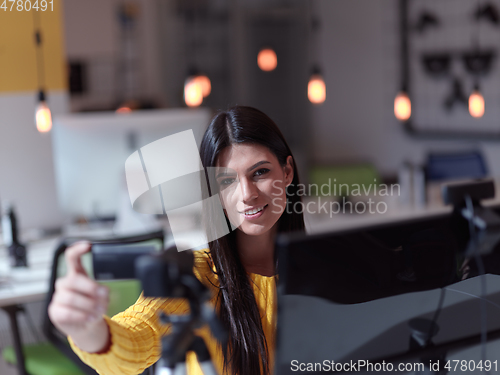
341 298
116 261
17 251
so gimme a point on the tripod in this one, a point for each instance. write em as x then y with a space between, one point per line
170 275
182 340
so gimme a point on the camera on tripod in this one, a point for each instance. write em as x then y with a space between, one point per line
166 274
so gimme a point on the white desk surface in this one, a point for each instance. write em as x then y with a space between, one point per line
321 222
23 285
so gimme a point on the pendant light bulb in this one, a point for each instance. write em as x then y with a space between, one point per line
267 59
476 103
204 82
316 88
43 117
193 93
402 106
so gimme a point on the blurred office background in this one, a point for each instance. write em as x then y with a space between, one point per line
99 56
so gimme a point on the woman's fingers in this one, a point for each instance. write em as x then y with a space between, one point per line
63 316
72 311
78 301
73 257
80 283
81 302
80 292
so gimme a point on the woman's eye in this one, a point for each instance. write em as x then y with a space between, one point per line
261 171
226 181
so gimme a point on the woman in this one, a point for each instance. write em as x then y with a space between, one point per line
254 168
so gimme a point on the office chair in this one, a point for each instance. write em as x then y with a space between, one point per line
449 166
56 357
342 178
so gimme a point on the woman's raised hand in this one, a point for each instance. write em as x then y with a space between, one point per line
79 303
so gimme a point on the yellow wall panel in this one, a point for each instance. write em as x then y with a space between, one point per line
18 68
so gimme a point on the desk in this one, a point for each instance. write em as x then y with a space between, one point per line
321 222
379 328
24 285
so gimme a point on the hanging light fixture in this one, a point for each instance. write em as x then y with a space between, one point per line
476 99
316 88
267 60
402 106
193 92
197 85
402 102
43 117
204 82
476 103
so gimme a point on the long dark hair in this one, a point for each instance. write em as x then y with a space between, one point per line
246 352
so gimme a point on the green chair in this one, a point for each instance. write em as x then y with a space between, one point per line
56 357
343 180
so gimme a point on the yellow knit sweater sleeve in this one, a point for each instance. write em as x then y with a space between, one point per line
135 337
136 332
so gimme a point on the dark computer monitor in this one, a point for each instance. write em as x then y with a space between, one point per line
353 295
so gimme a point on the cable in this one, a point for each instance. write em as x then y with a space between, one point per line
474 296
474 242
436 315
39 51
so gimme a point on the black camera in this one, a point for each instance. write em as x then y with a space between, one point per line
162 273
116 261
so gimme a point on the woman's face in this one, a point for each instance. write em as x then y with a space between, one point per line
252 186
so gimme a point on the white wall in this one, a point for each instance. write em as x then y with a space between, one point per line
26 164
359 53
92 34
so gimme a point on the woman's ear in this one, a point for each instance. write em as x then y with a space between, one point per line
288 170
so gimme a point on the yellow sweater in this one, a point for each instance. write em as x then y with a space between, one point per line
136 332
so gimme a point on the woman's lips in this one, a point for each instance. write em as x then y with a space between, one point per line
254 216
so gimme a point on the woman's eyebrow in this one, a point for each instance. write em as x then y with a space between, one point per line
223 174
257 164
248 170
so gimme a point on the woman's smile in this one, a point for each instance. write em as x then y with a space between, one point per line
253 213
252 187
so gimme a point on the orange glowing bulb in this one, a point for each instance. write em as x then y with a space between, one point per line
193 93
43 118
316 89
267 59
402 106
204 82
476 104
123 110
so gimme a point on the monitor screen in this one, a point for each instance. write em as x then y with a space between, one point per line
90 150
355 296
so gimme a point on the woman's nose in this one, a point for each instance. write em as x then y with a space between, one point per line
248 190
